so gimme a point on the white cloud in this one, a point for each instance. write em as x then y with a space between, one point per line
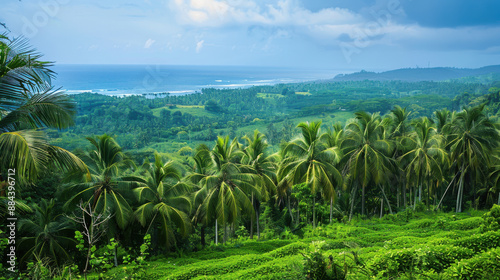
199 46
149 43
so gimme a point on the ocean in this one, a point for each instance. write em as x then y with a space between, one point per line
141 79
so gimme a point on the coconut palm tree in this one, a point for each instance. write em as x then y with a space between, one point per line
309 160
200 169
264 165
108 188
228 187
399 129
333 138
474 137
27 103
426 157
48 234
368 153
162 198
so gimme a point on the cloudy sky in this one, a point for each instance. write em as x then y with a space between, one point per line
331 34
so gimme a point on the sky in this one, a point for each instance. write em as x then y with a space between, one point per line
324 34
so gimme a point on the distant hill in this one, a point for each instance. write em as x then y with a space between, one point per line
419 74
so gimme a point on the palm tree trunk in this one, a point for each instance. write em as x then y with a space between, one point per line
352 201
202 236
420 192
398 193
404 196
381 207
251 219
225 233
415 200
498 198
314 212
386 200
289 208
363 201
257 218
297 221
331 209
460 192
449 185
114 256
216 233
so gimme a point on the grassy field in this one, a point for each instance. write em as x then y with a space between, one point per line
407 245
195 110
269 95
303 93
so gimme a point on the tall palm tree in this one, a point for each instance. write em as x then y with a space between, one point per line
163 200
200 169
333 138
264 165
309 160
368 153
27 103
399 130
474 137
426 156
48 234
228 187
108 188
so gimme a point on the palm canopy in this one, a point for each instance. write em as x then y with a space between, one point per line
48 234
28 102
163 198
473 138
227 186
310 160
265 165
367 150
425 157
107 188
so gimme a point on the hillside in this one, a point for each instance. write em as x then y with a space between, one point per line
409 245
418 74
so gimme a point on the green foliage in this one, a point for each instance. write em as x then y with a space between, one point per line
394 262
482 266
491 219
480 242
315 265
217 267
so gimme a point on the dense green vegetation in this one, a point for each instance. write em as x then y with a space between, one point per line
317 180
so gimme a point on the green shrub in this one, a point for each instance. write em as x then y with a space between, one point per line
423 223
466 224
483 266
315 265
480 242
491 219
424 258
288 250
219 266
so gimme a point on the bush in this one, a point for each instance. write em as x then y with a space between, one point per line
466 224
482 266
480 242
288 250
419 258
491 219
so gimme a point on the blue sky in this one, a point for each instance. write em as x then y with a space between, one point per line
334 34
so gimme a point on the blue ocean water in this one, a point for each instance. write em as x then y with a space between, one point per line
140 79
